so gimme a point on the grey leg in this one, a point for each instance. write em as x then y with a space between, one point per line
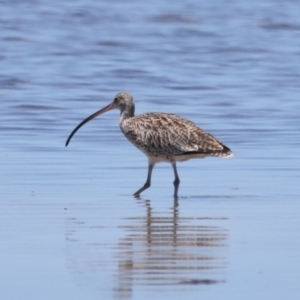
148 182
176 181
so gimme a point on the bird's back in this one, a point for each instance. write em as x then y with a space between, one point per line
170 136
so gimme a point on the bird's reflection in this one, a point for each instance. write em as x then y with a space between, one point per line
169 249
163 249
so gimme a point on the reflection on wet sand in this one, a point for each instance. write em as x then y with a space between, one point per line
169 249
156 249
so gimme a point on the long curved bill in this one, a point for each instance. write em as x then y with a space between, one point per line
99 112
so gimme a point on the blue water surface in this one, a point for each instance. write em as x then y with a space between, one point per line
70 227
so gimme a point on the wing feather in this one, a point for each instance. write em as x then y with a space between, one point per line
169 134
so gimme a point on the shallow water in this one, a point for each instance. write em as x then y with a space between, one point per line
70 227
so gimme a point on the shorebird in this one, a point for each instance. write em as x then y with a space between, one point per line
162 137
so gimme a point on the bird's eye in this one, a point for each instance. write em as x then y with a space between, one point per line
116 99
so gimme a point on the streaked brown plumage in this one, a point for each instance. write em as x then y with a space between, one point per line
162 137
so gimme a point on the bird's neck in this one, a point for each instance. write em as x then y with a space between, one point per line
127 113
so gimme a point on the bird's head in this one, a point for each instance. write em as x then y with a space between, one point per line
123 101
